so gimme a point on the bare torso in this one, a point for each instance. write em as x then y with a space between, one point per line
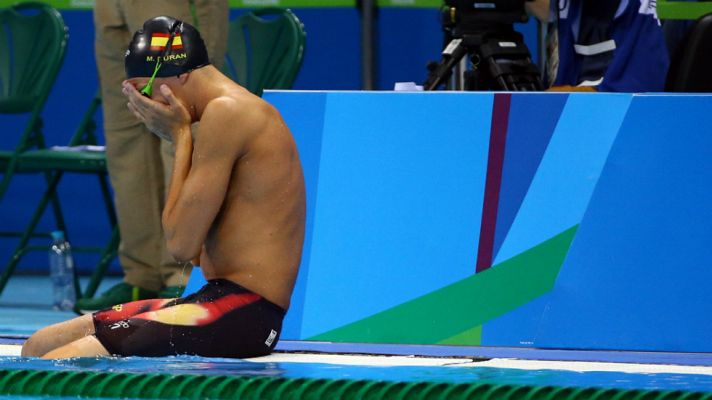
256 238
236 197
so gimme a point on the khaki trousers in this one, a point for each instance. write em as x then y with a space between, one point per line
139 163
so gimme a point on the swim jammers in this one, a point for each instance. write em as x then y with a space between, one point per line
222 319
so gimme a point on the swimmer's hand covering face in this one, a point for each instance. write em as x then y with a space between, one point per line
164 120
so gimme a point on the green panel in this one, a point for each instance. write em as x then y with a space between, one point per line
58 4
291 3
88 4
466 304
471 337
683 10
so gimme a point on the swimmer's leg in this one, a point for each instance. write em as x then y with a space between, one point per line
88 346
65 333
58 335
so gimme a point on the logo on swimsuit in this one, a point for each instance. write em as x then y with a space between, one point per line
118 307
120 324
270 338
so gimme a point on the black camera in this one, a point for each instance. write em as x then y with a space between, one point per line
483 30
473 14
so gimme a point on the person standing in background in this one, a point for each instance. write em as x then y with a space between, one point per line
604 45
139 163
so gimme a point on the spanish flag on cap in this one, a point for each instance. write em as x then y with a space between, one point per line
159 41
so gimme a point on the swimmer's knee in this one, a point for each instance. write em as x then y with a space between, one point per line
33 345
54 336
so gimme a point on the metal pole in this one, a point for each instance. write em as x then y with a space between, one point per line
367 9
541 48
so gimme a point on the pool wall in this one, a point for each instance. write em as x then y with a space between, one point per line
578 221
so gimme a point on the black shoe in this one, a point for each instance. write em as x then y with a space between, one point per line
171 292
117 294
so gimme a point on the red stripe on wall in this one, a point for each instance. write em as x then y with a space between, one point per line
495 162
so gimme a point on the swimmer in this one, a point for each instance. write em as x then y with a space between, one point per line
236 202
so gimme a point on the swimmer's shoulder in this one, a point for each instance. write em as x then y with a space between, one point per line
238 119
241 108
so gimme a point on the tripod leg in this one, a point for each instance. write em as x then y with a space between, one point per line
453 53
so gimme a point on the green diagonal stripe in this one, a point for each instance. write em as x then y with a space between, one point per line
471 337
463 305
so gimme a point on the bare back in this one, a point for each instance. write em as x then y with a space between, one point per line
257 235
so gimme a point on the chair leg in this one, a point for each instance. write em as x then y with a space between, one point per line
108 202
106 257
6 176
112 247
56 208
29 231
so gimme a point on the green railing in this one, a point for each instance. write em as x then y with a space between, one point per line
666 9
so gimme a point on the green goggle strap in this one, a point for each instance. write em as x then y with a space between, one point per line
148 89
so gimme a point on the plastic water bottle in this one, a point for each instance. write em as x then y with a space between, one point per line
61 269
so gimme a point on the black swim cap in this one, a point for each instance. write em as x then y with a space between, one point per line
186 52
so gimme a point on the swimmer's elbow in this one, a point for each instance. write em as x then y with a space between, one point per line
183 241
182 251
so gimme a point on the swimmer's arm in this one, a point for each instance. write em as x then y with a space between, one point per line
200 180
181 168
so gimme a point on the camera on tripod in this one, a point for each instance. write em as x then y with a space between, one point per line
484 31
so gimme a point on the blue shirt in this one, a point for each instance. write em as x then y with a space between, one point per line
638 59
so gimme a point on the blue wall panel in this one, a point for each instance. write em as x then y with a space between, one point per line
399 198
408 40
308 134
637 274
401 184
332 57
531 124
562 186
517 328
